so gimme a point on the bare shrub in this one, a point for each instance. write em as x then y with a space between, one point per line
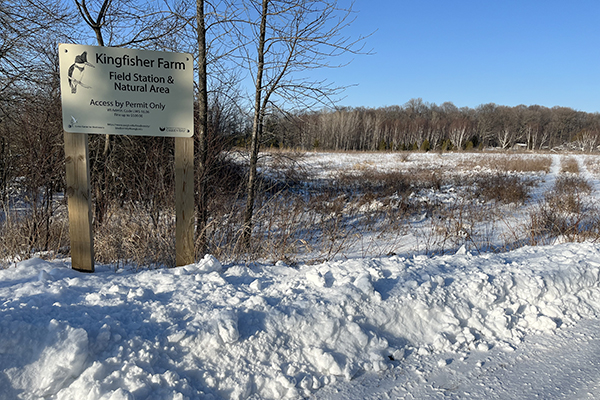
569 165
569 194
429 178
287 167
24 234
593 165
508 163
369 181
566 213
503 188
449 228
460 222
276 201
365 208
386 183
548 224
575 184
288 227
317 222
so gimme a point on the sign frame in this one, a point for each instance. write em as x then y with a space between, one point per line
121 91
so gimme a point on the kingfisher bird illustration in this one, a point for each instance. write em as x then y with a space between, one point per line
77 70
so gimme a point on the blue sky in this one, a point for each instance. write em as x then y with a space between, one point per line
472 52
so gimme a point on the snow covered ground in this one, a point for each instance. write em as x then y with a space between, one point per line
521 324
459 326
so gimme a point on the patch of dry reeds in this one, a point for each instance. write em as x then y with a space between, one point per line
131 236
569 165
502 188
516 163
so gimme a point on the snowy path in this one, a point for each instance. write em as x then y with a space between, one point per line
537 194
588 176
561 365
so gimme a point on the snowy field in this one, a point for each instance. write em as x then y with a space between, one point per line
521 324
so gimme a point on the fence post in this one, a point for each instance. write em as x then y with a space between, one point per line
79 201
184 201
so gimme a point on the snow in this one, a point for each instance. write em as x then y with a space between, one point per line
560 365
273 331
442 185
520 324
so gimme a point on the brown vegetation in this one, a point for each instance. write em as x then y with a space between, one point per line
566 213
511 163
569 165
503 188
297 215
303 219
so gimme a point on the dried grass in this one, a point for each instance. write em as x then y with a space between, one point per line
569 165
566 213
24 234
299 218
502 188
130 236
511 163
593 165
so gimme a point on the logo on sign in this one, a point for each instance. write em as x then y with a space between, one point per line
77 71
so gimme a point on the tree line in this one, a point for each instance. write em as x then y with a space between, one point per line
418 125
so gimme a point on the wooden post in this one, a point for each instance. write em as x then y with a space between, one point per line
184 201
79 201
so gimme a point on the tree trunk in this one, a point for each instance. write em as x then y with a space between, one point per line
256 131
102 184
202 202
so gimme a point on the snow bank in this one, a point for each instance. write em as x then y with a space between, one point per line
204 331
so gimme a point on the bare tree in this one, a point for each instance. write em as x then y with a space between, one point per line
27 28
209 35
587 139
459 130
96 20
30 128
130 23
507 133
289 38
202 202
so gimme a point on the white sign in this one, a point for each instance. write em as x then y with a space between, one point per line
111 90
